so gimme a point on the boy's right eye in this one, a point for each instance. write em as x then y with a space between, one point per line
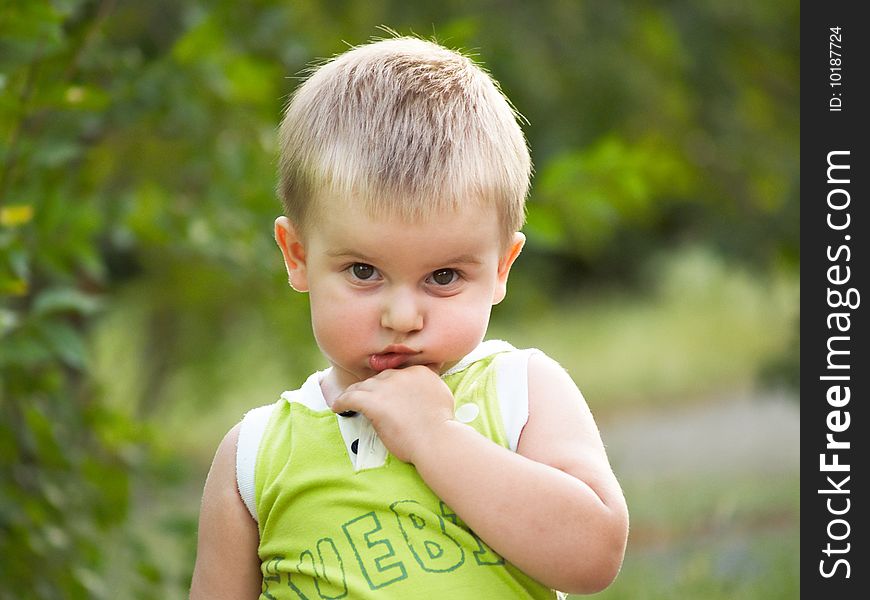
363 271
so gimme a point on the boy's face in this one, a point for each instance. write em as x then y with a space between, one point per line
388 294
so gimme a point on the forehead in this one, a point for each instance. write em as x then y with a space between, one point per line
471 229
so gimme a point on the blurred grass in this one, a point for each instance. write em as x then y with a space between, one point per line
727 537
702 327
760 565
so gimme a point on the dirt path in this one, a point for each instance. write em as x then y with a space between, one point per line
759 434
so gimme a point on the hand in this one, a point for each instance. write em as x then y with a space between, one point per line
405 406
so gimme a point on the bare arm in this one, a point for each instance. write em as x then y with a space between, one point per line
227 565
553 509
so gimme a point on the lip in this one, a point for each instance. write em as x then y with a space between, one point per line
398 349
394 356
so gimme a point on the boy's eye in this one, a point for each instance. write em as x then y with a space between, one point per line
444 276
362 271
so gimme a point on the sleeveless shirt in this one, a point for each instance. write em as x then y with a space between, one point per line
339 517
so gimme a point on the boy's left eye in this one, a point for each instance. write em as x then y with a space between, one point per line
443 276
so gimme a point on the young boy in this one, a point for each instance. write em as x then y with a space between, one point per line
424 463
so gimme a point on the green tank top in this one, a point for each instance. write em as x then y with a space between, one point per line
329 530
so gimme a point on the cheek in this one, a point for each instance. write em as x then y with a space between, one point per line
464 325
338 325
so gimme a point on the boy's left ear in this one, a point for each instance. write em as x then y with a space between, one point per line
505 264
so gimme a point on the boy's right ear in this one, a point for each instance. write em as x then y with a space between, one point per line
290 243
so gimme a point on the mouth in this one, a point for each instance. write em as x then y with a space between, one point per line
392 357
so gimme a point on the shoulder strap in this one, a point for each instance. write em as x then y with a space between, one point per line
483 350
512 384
250 433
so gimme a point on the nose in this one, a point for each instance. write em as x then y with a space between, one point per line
401 312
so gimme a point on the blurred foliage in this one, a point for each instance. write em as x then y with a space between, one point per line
137 156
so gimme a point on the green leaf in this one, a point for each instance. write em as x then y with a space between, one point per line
42 429
64 342
65 299
22 349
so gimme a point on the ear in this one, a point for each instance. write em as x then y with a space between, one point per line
293 250
505 264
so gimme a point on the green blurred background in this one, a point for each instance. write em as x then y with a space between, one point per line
145 307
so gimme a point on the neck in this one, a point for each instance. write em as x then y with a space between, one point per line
331 387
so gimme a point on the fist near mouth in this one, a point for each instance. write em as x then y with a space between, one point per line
406 406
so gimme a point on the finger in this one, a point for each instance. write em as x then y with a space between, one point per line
339 407
349 403
365 385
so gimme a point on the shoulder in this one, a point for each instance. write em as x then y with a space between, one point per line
560 428
226 561
550 383
221 504
225 456
549 387
221 481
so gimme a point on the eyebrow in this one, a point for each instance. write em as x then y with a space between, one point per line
464 259
347 252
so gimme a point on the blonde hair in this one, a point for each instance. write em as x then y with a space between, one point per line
406 127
